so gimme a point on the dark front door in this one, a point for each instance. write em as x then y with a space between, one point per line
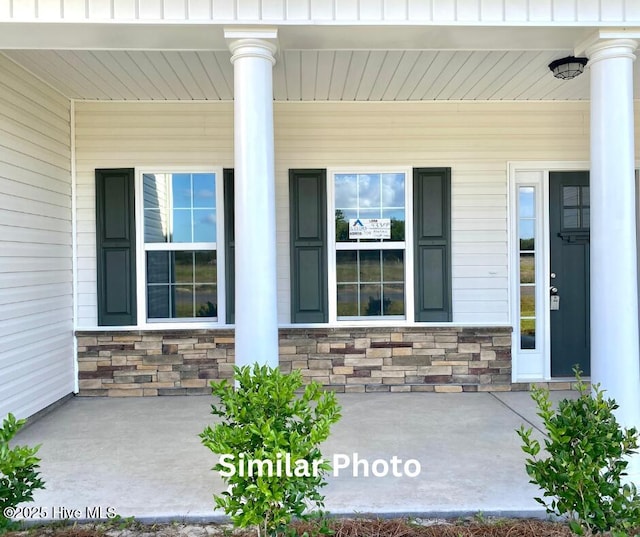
569 245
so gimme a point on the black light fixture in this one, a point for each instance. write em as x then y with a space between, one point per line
568 68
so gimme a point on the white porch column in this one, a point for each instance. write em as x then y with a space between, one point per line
614 303
256 316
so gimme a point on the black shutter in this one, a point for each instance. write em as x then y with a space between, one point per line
308 229
229 244
116 247
432 239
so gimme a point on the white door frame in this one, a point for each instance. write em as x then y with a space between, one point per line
533 365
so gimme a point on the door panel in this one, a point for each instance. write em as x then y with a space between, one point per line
569 220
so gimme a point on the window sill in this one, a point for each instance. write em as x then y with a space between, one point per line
221 327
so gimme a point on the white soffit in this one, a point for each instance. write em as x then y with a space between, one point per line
310 75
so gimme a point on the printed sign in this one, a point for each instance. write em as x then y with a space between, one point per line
369 228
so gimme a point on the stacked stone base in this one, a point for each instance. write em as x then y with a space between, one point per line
416 359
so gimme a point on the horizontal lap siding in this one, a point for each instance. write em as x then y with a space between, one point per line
476 140
36 297
273 11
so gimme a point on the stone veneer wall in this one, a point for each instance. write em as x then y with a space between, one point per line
450 359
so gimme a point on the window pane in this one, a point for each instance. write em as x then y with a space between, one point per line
393 265
381 289
186 224
393 303
527 333
204 190
204 225
346 266
183 263
154 191
370 300
158 301
527 268
369 196
526 231
370 270
397 223
585 196
181 185
181 284
346 191
347 299
183 300
155 225
158 267
570 195
527 202
571 218
527 300
527 234
393 189
586 218
156 201
342 224
206 301
369 191
181 225
369 213
205 267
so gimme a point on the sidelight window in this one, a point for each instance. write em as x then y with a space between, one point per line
527 238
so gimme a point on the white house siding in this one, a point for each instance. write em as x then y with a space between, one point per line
475 139
36 298
342 11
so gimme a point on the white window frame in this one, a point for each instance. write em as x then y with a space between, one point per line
142 249
333 246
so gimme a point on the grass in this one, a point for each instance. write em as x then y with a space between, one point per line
340 527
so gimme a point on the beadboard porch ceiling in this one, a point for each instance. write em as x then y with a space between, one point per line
314 64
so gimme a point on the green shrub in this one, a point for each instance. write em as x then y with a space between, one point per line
19 477
587 451
263 419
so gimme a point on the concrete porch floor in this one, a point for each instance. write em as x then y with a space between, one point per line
143 457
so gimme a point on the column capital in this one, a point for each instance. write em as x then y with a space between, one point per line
252 43
604 49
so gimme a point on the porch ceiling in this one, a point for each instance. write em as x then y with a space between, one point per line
367 63
310 75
